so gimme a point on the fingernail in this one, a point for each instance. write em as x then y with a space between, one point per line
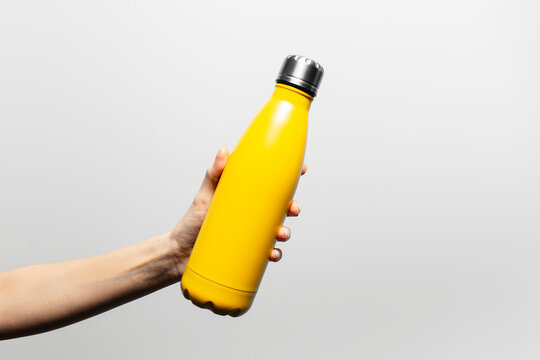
299 208
286 233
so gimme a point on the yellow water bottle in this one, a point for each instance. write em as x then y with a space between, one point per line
252 197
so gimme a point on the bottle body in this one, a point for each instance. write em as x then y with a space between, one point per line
250 203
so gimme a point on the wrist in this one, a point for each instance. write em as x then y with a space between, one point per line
177 253
156 264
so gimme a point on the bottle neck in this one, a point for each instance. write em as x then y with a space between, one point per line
292 95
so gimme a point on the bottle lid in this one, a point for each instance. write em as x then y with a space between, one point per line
301 73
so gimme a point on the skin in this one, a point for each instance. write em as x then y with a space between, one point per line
39 298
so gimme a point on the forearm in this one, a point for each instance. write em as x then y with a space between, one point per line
44 297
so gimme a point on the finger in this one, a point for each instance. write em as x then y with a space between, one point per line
304 169
276 255
215 170
284 233
294 208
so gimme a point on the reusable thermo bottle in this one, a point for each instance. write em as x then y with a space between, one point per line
252 197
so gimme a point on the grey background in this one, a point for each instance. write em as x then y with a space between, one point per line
419 235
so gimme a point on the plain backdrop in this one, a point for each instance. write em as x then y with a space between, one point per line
419 236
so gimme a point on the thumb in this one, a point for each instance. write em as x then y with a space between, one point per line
214 171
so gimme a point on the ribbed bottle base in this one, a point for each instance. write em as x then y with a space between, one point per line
219 299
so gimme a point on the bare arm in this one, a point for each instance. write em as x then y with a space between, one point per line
40 298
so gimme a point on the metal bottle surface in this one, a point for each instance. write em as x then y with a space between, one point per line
250 203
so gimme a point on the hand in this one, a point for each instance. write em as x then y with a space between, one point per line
185 232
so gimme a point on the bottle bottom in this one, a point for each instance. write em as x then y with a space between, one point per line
219 299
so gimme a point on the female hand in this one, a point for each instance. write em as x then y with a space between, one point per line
185 232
